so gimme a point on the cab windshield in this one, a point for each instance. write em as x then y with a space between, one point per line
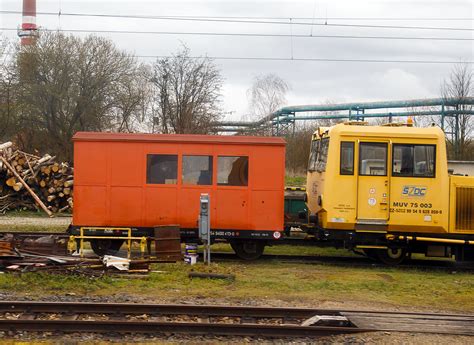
319 155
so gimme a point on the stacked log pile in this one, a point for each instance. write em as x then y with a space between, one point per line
31 182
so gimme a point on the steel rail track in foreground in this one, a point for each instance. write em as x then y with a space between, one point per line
216 320
248 321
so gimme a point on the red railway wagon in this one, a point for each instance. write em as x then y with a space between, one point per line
141 181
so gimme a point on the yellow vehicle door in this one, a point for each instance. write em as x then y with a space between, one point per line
373 182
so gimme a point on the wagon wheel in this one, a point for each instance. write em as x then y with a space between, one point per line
106 247
392 256
248 250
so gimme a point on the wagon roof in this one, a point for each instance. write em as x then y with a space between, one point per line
181 138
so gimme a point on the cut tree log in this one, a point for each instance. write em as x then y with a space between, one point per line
43 159
30 167
43 175
5 145
33 194
17 186
63 209
11 181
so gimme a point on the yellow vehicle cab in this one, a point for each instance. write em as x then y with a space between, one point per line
386 190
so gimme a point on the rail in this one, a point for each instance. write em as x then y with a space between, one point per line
219 320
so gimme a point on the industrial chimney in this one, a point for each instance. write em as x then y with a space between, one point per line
28 31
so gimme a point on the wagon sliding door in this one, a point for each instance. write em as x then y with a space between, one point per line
373 182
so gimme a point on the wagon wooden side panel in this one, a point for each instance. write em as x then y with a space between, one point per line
146 180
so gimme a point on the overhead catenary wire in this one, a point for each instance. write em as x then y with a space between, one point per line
285 21
302 59
257 58
271 58
316 18
253 34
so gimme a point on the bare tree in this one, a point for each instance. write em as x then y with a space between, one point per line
8 81
297 149
69 84
187 93
267 94
459 85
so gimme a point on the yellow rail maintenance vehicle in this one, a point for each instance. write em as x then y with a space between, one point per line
386 191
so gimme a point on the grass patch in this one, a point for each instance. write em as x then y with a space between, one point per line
53 283
295 181
290 250
292 283
27 213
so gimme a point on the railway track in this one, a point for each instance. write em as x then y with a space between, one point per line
218 320
347 261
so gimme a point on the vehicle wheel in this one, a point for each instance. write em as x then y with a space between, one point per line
106 247
392 256
248 250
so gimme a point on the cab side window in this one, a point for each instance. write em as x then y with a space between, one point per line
373 159
413 160
347 158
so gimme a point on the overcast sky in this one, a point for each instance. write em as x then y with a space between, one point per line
311 82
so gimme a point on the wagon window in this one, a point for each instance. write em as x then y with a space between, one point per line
413 160
232 170
197 170
347 158
373 159
161 169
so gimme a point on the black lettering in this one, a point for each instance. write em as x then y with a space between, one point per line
400 204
